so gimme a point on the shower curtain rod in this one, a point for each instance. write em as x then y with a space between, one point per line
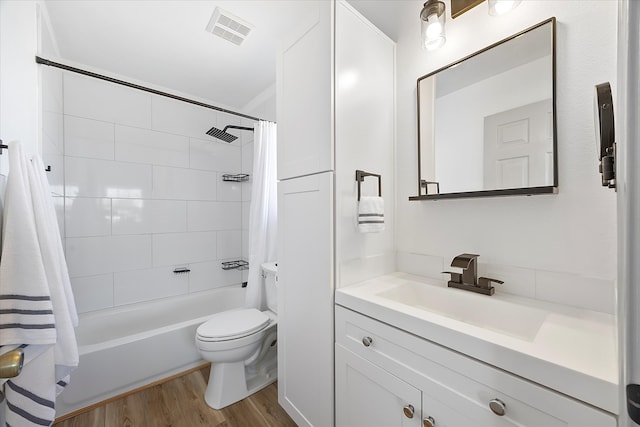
43 61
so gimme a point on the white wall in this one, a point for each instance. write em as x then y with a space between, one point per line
556 247
263 106
19 83
144 195
365 130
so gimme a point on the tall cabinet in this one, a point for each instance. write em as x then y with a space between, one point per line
305 219
335 107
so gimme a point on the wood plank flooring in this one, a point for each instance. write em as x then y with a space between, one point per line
180 403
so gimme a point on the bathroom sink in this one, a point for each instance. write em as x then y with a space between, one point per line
491 313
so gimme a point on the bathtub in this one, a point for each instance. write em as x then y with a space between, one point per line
131 346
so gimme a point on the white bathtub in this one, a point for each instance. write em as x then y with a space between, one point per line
128 347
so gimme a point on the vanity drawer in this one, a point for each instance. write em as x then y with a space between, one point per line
455 386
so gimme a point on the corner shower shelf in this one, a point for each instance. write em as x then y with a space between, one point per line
237 265
239 177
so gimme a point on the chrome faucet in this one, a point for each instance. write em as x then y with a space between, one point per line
468 279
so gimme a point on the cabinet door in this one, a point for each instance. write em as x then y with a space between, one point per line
305 299
303 95
369 396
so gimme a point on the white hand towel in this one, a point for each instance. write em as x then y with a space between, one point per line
371 214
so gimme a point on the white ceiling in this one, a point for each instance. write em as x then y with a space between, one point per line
165 43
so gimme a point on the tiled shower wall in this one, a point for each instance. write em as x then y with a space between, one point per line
143 194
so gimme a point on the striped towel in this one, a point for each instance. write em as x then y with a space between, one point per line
26 311
371 214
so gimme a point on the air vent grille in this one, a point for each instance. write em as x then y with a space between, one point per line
228 26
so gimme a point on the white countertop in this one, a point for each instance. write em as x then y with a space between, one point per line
574 351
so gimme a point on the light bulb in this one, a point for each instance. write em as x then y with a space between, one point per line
432 17
433 44
434 27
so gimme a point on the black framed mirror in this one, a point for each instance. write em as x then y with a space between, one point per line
487 123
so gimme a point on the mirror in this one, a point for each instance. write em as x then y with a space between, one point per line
487 123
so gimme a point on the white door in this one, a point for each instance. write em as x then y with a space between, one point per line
305 299
518 147
369 396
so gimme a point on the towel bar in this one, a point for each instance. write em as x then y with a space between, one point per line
360 175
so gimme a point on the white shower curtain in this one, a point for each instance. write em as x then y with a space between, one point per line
262 211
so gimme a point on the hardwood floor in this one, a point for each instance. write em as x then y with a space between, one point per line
180 403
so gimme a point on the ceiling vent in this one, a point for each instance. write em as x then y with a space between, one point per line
228 26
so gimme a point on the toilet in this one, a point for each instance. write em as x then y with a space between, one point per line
241 346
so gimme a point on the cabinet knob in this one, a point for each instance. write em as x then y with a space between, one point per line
367 341
408 411
498 407
429 422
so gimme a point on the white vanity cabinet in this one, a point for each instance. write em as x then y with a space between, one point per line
381 370
367 395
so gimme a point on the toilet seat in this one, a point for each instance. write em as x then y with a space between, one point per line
232 324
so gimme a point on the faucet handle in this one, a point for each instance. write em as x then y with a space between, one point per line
485 282
455 277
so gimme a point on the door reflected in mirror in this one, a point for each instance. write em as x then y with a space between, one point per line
486 124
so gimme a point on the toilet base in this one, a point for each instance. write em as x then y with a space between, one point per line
230 382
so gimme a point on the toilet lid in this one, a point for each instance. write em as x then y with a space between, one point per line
233 324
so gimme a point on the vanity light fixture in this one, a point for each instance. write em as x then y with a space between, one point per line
500 7
432 19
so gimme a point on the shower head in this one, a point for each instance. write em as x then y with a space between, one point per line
224 135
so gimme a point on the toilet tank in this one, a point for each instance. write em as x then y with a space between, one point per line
269 272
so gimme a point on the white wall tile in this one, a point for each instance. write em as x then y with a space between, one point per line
229 244
108 102
245 243
53 158
364 268
58 205
246 188
578 291
52 90
53 128
208 216
93 292
517 280
102 178
247 158
421 265
183 184
180 118
229 191
245 215
88 256
168 216
148 284
140 216
184 248
86 217
216 156
88 138
147 146
210 275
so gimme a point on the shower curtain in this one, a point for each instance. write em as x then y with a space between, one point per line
262 211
